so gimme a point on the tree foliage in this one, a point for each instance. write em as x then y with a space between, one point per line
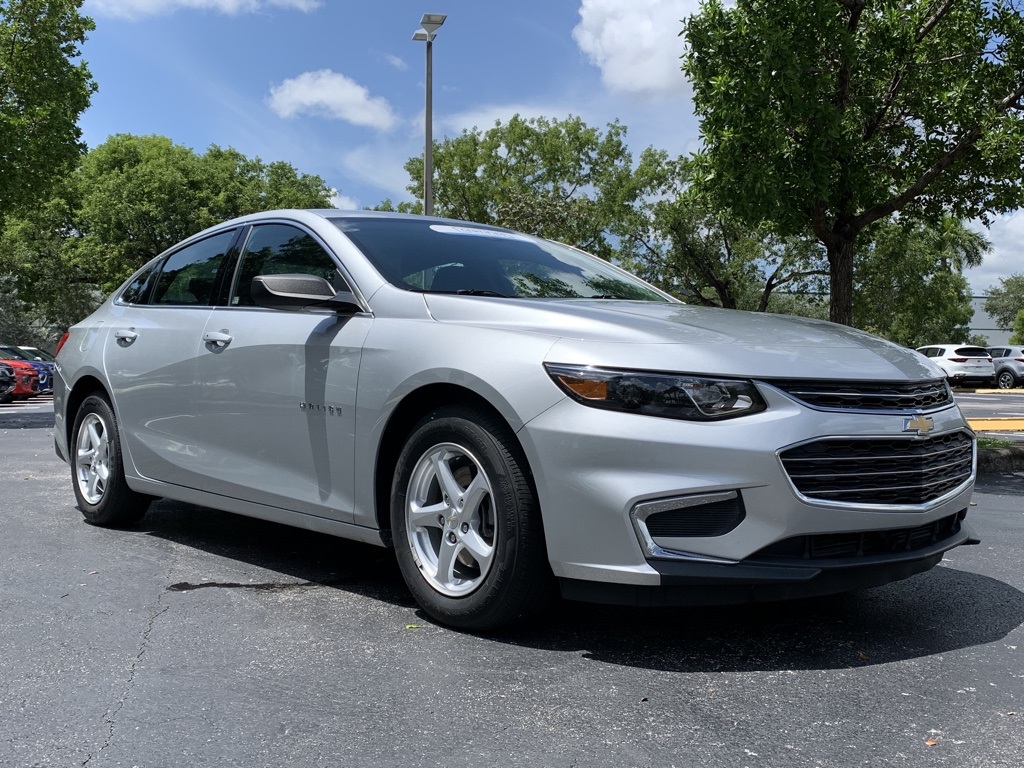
909 282
131 198
832 115
1006 300
44 87
560 179
685 246
1018 329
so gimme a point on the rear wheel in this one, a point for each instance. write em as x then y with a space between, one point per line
97 470
466 523
1006 380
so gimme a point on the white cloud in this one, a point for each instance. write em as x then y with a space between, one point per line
381 166
1007 256
133 9
635 43
344 202
485 116
330 94
396 62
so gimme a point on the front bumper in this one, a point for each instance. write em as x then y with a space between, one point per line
596 468
764 579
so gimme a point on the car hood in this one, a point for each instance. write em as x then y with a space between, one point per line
681 337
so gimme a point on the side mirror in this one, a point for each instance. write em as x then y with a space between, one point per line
301 292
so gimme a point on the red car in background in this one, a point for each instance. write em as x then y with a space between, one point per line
26 381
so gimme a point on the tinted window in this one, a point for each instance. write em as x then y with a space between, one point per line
972 352
278 249
189 275
448 258
138 290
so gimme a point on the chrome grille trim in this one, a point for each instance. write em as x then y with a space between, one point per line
867 396
881 472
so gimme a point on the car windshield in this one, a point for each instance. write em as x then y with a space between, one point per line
34 353
13 353
439 257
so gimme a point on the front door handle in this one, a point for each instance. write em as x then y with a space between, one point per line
218 339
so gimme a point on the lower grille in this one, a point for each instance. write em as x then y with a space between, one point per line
865 543
894 471
714 519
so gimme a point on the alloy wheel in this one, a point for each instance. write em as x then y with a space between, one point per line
450 520
92 463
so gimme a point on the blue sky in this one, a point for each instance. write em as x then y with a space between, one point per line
336 88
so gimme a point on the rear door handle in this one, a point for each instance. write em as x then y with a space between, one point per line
217 338
127 335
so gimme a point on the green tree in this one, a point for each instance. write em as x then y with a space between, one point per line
685 246
138 195
44 87
131 198
1006 300
560 179
909 285
832 115
1018 329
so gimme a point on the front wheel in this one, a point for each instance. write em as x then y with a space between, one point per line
1006 380
466 523
97 469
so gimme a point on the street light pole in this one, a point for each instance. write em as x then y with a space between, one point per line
430 24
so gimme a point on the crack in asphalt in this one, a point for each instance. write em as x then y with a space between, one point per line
272 586
111 717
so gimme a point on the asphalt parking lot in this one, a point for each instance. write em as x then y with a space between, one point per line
201 638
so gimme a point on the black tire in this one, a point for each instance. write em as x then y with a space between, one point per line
97 470
500 513
1006 380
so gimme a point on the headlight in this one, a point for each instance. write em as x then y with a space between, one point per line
673 396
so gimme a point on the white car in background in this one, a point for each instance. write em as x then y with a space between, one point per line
963 363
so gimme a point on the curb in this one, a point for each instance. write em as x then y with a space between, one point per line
1000 460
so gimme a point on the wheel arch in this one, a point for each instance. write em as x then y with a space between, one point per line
85 386
413 407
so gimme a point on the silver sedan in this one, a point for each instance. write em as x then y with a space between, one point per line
514 417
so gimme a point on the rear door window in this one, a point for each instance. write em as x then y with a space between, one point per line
972 352
189 276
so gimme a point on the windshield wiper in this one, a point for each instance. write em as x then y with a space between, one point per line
479 292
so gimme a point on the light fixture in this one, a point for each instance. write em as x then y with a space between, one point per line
429 25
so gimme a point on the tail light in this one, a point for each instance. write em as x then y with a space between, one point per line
61 343
958 359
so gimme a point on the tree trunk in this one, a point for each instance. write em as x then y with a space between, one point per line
840 262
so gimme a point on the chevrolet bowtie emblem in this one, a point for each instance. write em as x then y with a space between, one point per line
920 424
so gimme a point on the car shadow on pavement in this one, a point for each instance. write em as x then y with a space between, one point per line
1002 483
301 557
16 416
937 612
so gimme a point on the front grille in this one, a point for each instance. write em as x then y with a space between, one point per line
867 396
911 470
713 519
865 543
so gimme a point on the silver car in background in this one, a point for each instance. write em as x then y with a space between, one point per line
513 416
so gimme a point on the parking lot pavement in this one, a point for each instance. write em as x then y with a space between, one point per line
200 638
